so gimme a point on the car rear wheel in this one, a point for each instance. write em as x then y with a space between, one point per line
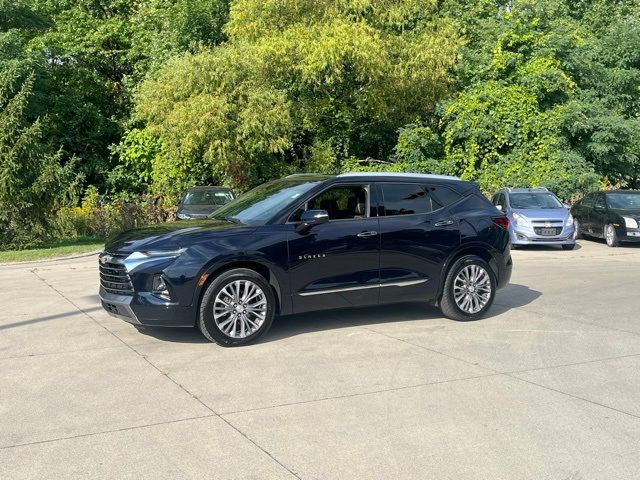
469 289
611 236
237 308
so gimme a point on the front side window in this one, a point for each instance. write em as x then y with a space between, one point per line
406 199
342 202
600 201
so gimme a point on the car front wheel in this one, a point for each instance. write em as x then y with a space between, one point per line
469 289
237 308
611 236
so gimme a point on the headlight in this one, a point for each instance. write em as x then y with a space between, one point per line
630 222
148 254
183 216
569 221
521 221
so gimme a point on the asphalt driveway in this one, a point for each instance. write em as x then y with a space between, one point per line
546 387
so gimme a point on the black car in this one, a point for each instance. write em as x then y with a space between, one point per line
613 215
312 242
200 202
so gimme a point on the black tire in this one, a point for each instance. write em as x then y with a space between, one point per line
568 247
613 241
206 321
448 305
578 235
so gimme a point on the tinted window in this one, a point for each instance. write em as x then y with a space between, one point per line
444 195
588 200
405 199
341 203
624 200
599 201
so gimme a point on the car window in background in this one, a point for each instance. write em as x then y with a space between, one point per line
624 200
443 195
536 200
588 200
406 199
599 201
261 204
207 197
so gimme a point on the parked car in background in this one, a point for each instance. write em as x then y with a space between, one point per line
200 202
312 242
537 217
613 215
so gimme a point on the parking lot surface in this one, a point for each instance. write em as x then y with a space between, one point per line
546 387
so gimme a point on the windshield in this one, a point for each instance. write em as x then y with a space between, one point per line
624 200
259 205
531 200
207 197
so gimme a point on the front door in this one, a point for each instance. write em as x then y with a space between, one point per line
417 235
336 264
598 216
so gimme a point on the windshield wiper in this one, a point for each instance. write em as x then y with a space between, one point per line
230 220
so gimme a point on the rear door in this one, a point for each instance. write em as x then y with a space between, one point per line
336 264
417 235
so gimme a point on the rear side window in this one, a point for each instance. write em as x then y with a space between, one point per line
443 195
588 200
405 199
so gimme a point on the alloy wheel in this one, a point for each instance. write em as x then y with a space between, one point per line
240 308
610 235
472 289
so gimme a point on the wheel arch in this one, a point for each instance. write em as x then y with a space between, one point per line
478 249
249 264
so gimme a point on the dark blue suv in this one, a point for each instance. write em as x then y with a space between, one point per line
312 242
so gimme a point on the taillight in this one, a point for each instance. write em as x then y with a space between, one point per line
502 222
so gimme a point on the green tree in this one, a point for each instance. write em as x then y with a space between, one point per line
300 84
32 181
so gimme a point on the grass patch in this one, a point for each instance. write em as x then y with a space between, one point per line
61 248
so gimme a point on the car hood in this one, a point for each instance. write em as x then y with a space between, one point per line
171 235
631 212
198 209
542 213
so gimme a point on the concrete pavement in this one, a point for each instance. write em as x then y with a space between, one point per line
546 387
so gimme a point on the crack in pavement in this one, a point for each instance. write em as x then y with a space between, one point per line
165 374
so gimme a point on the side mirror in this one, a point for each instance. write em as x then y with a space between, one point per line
311 218
600 208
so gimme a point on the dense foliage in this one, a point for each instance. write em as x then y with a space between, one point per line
141 98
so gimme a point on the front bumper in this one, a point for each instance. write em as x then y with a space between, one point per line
527 236
145 309
630 235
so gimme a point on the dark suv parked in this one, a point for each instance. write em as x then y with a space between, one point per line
312 242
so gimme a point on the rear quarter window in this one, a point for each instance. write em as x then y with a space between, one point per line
443 195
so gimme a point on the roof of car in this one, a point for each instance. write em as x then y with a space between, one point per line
397 175
525 190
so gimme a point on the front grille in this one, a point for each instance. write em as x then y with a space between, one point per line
114 277
546 231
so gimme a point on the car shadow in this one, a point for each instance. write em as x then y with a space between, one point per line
287 326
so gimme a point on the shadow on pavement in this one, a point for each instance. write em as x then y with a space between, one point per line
47 318
513 295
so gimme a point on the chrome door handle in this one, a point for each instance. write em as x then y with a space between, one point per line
371 233
443 223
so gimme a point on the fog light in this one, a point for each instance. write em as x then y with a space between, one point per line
160 288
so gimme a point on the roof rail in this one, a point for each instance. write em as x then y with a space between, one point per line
301 175
528 189
397 174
